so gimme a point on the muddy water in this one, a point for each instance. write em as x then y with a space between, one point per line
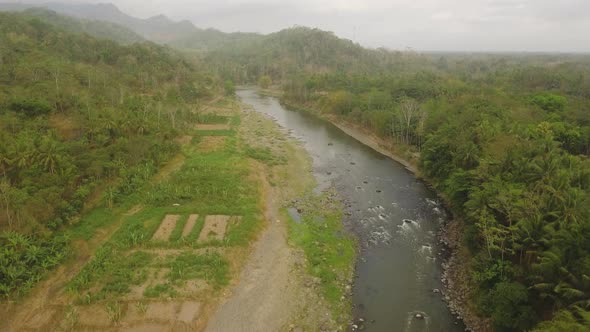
395 216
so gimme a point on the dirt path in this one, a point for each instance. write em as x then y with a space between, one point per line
266 296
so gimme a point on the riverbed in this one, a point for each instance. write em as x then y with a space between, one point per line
395 216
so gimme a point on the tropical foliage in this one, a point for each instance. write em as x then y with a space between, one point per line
80 118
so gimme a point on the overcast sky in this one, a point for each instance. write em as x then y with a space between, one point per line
471 25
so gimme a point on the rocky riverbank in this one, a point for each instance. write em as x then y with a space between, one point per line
458 291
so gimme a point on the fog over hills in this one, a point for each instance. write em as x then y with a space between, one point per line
424 25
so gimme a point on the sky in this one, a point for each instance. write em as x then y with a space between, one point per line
423 25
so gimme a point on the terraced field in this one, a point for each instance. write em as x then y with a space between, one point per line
176 248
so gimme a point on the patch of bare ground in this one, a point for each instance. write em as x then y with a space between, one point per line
166 227
164 253
214 228
161 316
211 143
41 319
94 316
220 110
212 126
147 327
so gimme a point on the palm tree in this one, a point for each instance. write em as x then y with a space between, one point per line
5 158
49 154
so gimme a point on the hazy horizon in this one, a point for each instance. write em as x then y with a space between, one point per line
422 25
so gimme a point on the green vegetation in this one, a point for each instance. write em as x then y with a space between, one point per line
211 183
24 258
213 268
329 249
82 121
264 81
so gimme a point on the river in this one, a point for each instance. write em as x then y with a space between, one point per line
395 217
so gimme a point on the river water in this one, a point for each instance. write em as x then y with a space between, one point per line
394 215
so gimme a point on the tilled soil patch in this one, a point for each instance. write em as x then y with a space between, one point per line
214 228
166 227
212 126
211 143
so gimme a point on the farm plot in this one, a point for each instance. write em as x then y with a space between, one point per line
166 227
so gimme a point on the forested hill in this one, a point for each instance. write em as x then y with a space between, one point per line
79 116
300 50
98 29
159 29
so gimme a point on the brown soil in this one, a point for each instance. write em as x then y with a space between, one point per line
147 327
166 227
190 223
212 126
93 316
164 253
189 311
211 143
161 311
41 319
214 228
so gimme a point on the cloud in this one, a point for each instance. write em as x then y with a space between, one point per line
500 25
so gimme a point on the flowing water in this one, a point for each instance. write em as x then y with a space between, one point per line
394 215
